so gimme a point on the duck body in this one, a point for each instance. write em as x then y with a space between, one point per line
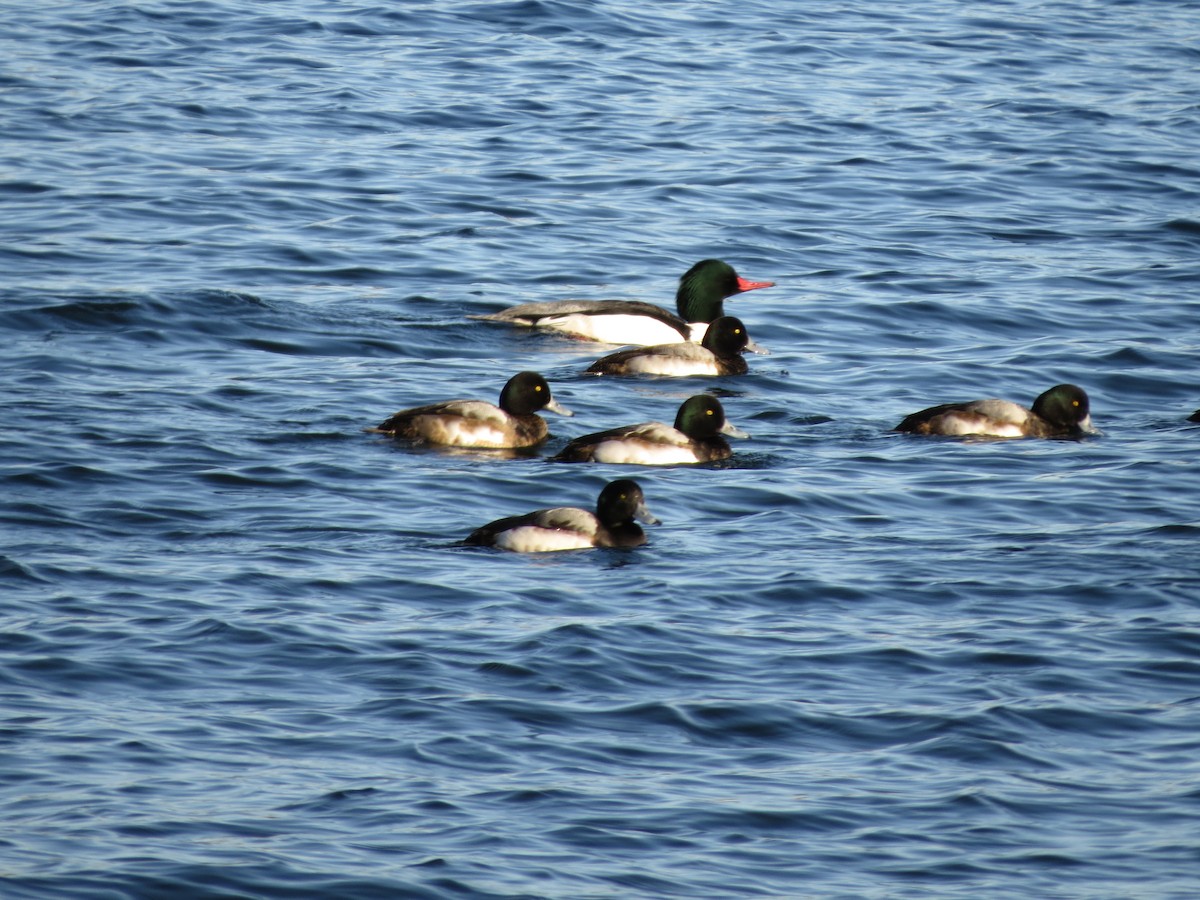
695 438
569 528
1061 412
606 321
719 353
699 300
512 424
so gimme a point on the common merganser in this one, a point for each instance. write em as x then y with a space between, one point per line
700 299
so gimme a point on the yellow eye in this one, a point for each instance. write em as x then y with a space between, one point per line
1074 402
538 388
708 412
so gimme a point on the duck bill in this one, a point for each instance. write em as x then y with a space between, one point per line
752 347
555 407
733 431
745 284
1086 427
644 515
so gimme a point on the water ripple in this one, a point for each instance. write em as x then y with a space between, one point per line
245 651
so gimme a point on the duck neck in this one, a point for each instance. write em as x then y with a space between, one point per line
626 534
699 301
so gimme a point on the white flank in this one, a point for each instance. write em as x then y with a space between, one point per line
613 329
638 453
672 365
456 431
961 426
535 539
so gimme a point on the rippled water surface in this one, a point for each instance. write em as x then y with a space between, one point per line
243 654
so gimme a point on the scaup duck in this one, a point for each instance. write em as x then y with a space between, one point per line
699 299
1062 411
476 423
696 438
720 353
570 528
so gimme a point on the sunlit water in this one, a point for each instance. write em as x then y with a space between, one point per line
243 654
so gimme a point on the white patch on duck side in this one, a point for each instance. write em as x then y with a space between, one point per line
677 364
568 518
459 431
536 539
634 452
613 328
965 423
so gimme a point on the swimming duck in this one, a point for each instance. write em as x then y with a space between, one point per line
720 353
570 528
700 299
476 423
1062 411
696 438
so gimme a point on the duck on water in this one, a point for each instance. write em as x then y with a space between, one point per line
699 300
695 438
571 528
720 353
1061 412
513 424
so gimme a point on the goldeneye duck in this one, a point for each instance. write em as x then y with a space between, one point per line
699 299
696 438
720 353
570 528
1062 411
476 423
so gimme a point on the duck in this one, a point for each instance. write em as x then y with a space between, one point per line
720 353
700 298
512 424
1061 412
570 528
695 438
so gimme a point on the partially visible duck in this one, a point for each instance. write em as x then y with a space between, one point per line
1062 411
720 353
570 528
476 423
699 300
696 438
1194 417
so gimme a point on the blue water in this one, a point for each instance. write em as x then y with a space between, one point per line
241 654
